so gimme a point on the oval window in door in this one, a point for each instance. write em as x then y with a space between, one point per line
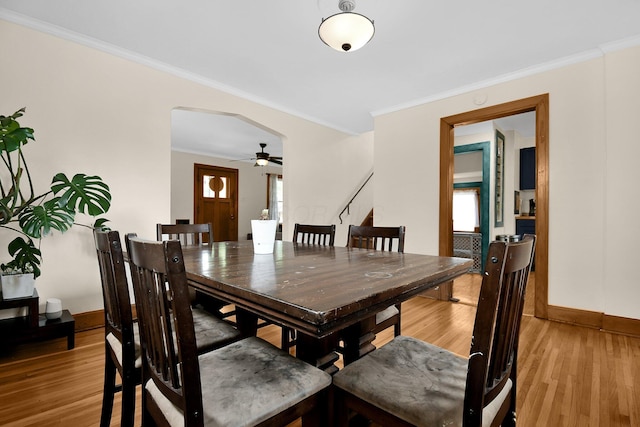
214 186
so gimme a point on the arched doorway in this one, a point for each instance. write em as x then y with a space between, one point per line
228 142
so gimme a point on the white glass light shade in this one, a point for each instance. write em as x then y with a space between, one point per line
346 31
262 162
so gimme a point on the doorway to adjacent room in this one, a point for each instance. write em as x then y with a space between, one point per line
215 200
540 105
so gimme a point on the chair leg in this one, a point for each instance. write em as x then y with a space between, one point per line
510 419
340 410
287 338
108 390
284 338
147 411
147 419
397 327
128 402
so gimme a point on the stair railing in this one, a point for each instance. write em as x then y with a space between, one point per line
346 208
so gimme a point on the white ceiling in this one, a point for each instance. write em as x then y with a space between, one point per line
269 51
217 135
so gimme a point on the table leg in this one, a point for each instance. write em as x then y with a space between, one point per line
318 352
208 302
357 340
247 322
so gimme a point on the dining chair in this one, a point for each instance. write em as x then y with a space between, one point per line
122 343
384 239
411 382
246 383
187 234
122 339
323 235
308 234
198 235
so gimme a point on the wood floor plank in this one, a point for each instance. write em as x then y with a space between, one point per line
567 375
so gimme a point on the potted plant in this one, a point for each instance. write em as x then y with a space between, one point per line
34 215
263 233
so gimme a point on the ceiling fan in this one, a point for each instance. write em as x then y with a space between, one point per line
262 158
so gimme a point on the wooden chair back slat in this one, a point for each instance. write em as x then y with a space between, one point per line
187 234
323 235
367 237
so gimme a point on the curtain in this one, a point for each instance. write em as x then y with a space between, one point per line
466 212
273 197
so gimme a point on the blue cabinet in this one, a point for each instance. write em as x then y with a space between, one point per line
526 226
528 169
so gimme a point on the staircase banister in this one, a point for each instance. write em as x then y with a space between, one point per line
346 208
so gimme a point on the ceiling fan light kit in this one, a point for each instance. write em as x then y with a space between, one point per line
346 31
263 159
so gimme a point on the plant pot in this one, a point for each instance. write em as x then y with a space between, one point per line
17 285
264 235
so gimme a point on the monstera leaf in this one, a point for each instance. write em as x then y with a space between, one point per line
38 221
12 136
87 194
99 224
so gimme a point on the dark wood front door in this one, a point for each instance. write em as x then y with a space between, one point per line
216 200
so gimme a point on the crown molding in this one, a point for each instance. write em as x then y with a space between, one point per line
525 72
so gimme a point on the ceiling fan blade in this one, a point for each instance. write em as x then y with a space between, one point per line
275 160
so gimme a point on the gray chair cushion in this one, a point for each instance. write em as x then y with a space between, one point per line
211 332
411 379
247 382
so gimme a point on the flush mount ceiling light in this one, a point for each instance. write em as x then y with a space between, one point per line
346 31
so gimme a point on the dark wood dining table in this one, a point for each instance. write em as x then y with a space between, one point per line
327 294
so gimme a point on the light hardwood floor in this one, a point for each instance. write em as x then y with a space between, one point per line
567 375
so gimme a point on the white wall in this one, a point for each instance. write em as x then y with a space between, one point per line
321 178
593 227
100 114
97 113
621 203
252 187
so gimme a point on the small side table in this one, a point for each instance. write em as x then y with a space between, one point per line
35 326
30 302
